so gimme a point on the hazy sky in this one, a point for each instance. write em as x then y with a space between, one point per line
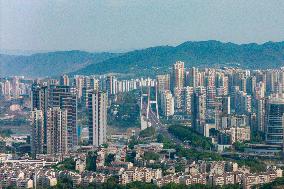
110 25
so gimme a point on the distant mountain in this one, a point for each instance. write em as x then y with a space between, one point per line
200 54
22 52
146 61
49 64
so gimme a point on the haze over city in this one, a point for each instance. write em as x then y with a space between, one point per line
123 25
148 94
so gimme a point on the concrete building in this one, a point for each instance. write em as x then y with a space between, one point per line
177 78
97 117
167 103
275 120
163 82
65 98
37 132
56 131
198 112
64 80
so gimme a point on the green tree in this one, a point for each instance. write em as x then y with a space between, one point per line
127 109
91 161
66 164
188 134
63 183
148 132
254 165
239 146
5 132
166 141
110 158
151 156
277 183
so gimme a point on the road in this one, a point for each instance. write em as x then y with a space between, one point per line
161 128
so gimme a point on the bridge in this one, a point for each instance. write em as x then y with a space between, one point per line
147 115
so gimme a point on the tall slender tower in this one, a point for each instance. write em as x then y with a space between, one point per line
65 98
39 102
275 120
64 80
110 85
177 79
56 131
163 82
97 117
198 112
167 103
37 132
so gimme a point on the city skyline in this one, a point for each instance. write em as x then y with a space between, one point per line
150 94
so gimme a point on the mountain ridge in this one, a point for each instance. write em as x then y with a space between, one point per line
49 64
148 61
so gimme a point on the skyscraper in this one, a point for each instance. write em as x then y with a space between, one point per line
183 98
39 97
193 76
37 132
15 87
167 103
222 109
275 120
56 131
65 98
210 96
177 78
64 80
110 85
39 102
163 82
79 82
260 114
198 112
97 117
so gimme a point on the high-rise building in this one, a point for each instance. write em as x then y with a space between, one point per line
65 98
64 80
259 91
210 96
198 112
222 109
179 96
225 85
167 103
177 79
243 103
188 98
39 101
163 82
275 120
79 82
7 88
183 99
39 97
92 83
260 114
193 77
15 87
243 84
84 99
110 85
251 84
97 117
37 132
56 131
